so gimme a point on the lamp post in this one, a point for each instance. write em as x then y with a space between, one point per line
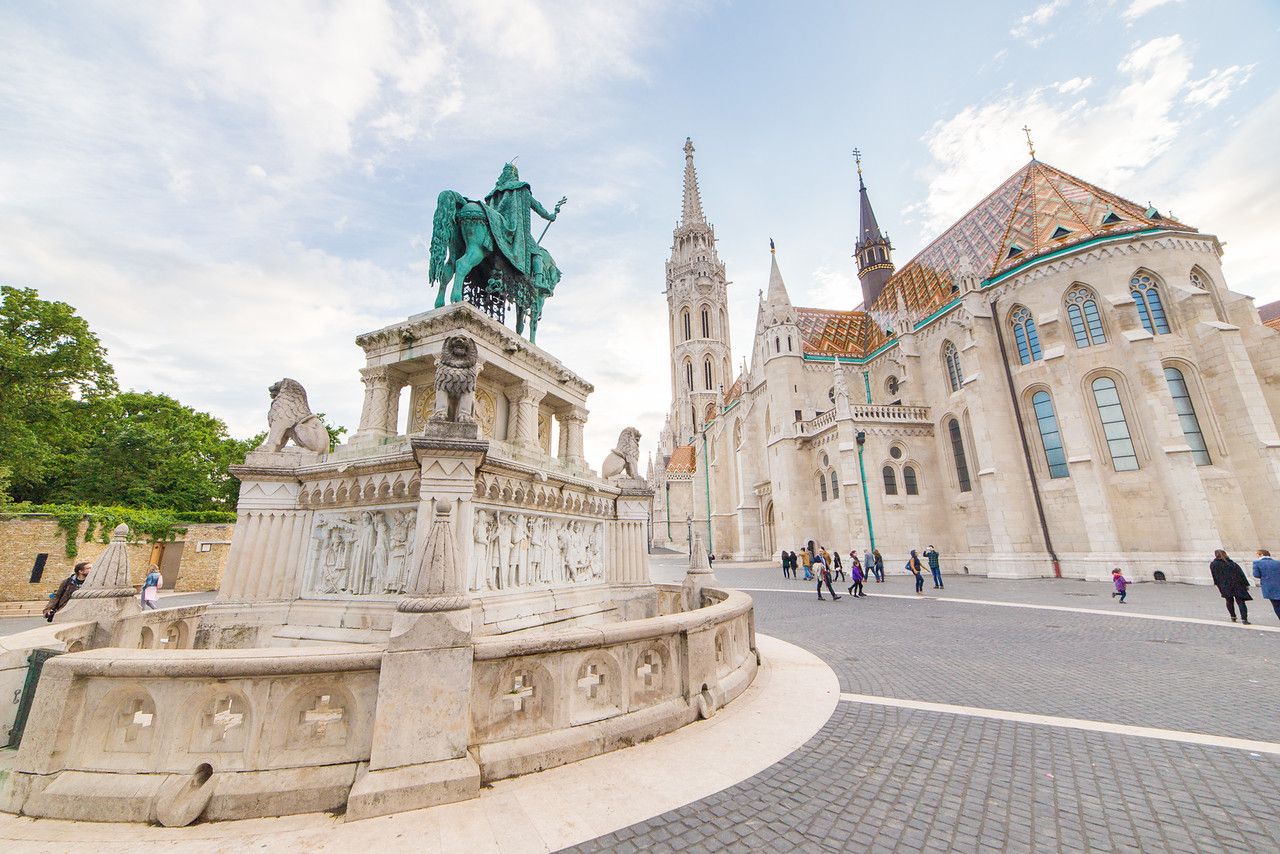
706 474
688 531
668 485
866 498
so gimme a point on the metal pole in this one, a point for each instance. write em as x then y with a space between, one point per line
668 485
866 498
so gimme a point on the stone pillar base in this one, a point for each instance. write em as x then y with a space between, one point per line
412 787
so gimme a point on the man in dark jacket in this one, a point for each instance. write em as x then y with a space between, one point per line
1267 570
65 590
1231 582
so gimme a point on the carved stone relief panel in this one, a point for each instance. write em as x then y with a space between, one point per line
520 550
360 552
424 403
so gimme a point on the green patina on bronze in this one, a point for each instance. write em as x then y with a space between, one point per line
490 245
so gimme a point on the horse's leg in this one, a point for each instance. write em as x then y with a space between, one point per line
519 320
440 295
533 327
473 256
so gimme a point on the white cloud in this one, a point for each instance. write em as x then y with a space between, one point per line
1138 8
1030 27
1105 139
1215 88
1075 84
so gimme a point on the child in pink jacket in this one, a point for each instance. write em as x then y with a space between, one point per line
1121 584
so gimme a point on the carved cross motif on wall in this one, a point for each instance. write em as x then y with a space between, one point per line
317 720
592 682
650 669
133 720
521 691
223 718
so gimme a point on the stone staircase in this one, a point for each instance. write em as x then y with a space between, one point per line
22 609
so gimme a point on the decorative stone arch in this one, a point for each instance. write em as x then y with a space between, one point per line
223 720
125 721
177 635
651 674
1152 299
596 689
523 699
1080 294
318 715
911 464
770 529
146 638
952 369
1201 280
709 414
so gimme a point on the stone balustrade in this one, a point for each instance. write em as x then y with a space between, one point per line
890 412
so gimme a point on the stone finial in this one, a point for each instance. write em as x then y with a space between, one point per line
699 575
109 577
290 417
699 563
437 583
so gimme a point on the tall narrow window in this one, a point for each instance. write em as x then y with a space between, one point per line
890 481
684 319
909 480
822 486
955 376
1114 426
788 343
777 345
1086 323
1150 309
1024 333
957 453
706 323
1050 435
706 373
835 485
688 374
1187 416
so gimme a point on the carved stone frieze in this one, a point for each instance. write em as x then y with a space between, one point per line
521 550
360 552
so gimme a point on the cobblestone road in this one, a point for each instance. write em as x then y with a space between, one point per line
891 779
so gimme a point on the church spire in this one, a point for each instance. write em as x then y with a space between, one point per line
873 250
777 296
691 211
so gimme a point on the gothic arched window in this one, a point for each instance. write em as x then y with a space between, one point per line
684 319
788 343
1115 428
909 480
892 385
688 374
1187 416
1086 323
890 481
1024 333
957 453
1150 310
835 485
706 322
955 376
777 345
822 485
1050 434
706 373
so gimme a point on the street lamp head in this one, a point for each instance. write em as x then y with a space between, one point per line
862 437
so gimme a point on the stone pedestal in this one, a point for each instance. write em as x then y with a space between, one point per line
427 763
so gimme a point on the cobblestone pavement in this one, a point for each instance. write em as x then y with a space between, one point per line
891 779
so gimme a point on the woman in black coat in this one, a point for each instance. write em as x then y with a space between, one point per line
1231 582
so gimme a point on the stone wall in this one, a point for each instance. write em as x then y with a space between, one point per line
23 539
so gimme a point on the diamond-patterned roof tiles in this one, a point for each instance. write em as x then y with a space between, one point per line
1037 210
824 332
683 459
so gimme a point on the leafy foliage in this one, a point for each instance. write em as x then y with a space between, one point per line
100 521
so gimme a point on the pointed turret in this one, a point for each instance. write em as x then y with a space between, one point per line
691 210
873 250
777 296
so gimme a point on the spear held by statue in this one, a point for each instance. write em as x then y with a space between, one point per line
556 212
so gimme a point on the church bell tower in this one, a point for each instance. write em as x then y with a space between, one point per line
698 314
873 251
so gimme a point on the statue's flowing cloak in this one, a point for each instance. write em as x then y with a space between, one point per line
508 211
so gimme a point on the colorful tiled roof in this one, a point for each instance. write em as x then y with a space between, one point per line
683 459
1038 210
734 391
1270 315
824 332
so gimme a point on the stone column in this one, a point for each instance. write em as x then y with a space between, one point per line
426 669
395 385
379 410
525 399
562 449
628 559
572 423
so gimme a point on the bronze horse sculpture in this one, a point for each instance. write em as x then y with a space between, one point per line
489 245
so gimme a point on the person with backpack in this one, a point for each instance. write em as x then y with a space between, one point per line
59 598
823 574
917 569
1232 583
151 587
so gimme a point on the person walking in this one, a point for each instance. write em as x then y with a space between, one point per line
856 575
823 574
795 566
917 569
868 564
878 563
151 587
935 567
59 598
786 564
1232 583
1267 570
837 571
806 561
1122 585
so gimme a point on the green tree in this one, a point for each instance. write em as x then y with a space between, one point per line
54 381
152 451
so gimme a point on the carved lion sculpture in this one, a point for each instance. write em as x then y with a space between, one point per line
624 460
290 417
456 381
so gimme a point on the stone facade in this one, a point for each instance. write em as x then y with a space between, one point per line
1090 395
203 555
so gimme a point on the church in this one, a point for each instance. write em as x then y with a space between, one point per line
1062 382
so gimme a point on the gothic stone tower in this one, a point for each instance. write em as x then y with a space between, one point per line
697 303
873 251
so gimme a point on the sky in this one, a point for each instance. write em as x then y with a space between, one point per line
230 192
